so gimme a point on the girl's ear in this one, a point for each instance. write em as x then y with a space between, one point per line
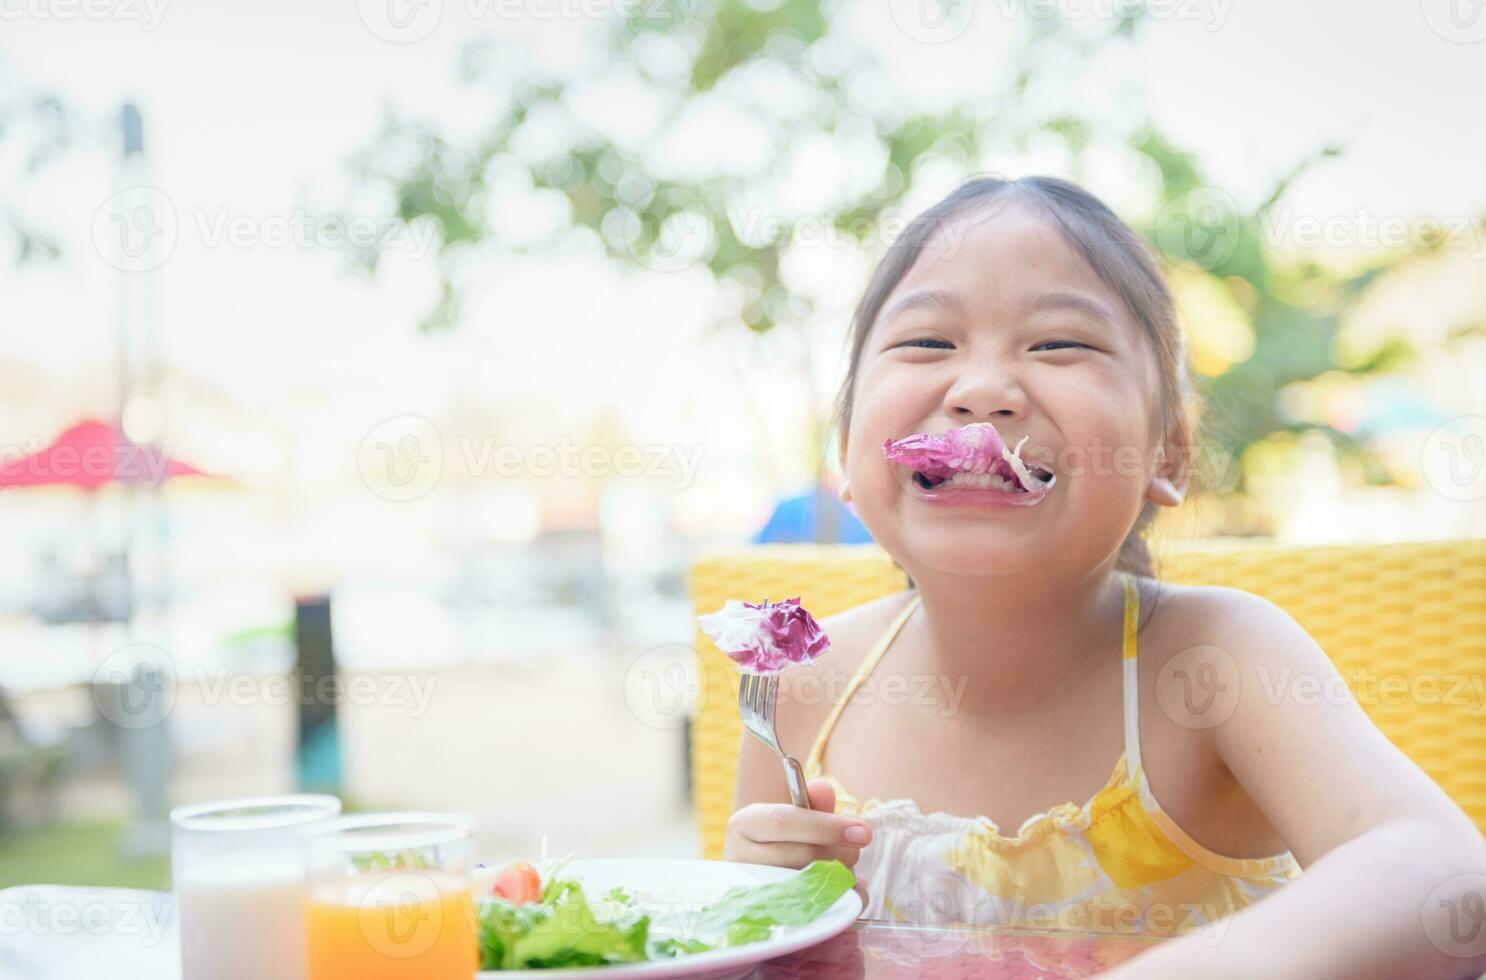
1168 486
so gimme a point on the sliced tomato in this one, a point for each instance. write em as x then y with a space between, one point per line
518 883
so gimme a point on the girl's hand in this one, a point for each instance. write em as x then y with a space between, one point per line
788 837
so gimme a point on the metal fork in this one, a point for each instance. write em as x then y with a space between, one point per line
756 697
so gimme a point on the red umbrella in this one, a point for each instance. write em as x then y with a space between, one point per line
91 455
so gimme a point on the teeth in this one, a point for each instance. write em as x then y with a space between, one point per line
986 474
979 481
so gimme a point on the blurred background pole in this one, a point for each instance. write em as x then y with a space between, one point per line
143 749
317 691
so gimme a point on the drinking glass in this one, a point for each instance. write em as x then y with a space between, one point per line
237 868
389 899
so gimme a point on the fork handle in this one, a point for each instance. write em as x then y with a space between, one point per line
795 776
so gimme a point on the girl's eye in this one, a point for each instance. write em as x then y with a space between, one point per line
1061 344
928 342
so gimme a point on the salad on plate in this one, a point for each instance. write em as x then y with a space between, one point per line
529 919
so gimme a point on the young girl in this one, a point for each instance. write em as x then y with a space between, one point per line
1064 671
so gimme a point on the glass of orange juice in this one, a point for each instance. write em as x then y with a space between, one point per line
388 897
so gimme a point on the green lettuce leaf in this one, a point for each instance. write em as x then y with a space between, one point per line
558 931
562 930
749 913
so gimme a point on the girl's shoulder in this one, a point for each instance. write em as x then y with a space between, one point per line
1183 622
1199 609
1210 659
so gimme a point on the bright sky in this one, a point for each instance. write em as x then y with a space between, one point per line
251 110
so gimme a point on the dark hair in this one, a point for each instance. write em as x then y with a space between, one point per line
1117 255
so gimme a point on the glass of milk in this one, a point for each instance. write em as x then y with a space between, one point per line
238 871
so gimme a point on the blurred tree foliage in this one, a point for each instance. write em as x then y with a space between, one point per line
786 66
36 128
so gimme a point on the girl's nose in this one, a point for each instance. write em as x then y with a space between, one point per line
985 393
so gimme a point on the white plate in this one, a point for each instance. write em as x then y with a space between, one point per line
684 886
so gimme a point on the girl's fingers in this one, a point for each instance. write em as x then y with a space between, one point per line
778 855
768 823
746 851
846 855
822 795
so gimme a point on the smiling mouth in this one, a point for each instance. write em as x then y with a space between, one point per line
971 458
1001 476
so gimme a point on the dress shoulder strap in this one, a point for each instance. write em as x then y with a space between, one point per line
863 671
1131 689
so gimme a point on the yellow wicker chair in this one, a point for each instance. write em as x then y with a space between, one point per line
1407 619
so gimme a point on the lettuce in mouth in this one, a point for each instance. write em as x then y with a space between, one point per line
974 448
565 929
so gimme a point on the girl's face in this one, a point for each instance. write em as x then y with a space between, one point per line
1000 320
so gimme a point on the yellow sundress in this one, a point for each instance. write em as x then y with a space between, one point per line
1117 864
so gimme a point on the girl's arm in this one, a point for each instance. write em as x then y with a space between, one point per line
1395 873
765 828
